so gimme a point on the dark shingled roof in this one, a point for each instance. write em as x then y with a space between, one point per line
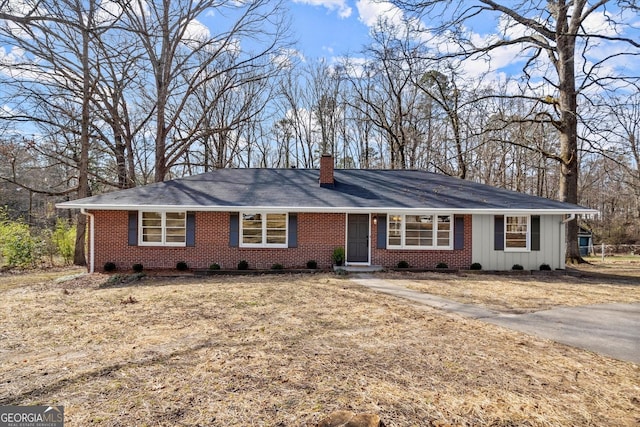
354 190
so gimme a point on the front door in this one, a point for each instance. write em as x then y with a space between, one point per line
358 238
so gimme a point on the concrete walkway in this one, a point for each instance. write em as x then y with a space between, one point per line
609 329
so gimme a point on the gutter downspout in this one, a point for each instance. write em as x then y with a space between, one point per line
563 254
91 243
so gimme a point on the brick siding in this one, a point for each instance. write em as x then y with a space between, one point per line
428 259
318 234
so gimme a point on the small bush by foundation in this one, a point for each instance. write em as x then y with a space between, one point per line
442 265
403 264
517 267
138 268
476 266
312 264
109 267
182 266
243 265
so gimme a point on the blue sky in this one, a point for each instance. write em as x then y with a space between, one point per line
333 28
330 28
320 32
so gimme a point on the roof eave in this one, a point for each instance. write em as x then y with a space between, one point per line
328 209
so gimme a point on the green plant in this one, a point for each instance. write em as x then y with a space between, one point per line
476 266
442 265
545 267
214 266
517 267
403 264
277 266
109 267
138 268
182 266
338 255
17 246
312 264
64 238
243 265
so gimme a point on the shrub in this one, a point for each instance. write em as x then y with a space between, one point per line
138 268
64 238
403 264
442 265
338 256
312 264
243 265
182 266
517 267
17 246
109 267
476 266
545 267
277 266
214 266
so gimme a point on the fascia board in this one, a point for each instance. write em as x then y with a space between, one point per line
325 209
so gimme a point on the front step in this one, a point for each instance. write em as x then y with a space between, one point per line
358 268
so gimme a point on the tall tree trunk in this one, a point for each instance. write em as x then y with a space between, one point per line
79 257
568 128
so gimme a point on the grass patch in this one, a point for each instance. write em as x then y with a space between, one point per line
288 350
522 294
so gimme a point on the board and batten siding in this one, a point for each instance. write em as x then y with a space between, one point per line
552 245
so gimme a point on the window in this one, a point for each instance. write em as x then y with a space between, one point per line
264 229
423 231
163 228
516 233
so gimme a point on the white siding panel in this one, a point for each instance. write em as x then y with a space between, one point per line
552 245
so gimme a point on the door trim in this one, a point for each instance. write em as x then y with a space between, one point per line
346 239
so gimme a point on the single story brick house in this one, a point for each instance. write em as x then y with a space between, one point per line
291 216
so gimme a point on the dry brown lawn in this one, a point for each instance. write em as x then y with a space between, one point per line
286 351
521 293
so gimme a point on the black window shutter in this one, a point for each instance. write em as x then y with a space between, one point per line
133 228
381 235
498 234
458 232
234 229
191 229
293 230
535 233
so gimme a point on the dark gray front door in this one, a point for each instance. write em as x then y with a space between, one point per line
358 238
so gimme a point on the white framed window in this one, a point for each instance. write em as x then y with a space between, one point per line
259 229
162 228
420 231
517 231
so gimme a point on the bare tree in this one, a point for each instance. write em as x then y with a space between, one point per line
181 56
385 92
556 34
54 80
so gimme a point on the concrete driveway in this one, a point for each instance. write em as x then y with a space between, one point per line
609 329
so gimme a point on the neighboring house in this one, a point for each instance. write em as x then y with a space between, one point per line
291 216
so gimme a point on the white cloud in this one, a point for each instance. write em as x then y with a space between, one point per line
340 6
370 12
197 31
286 58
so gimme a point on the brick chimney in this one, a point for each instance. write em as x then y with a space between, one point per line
326 171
